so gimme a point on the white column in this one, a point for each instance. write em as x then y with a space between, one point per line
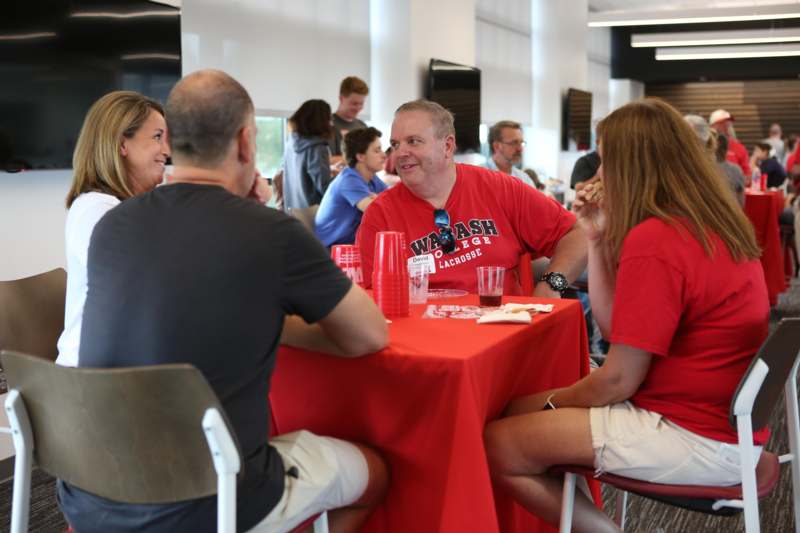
623 91
404 36
558 41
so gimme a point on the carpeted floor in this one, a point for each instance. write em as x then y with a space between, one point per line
644 516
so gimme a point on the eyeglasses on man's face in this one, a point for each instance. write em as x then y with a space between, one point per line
441 218
515 144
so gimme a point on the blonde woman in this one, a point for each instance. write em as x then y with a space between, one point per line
121 152
677 288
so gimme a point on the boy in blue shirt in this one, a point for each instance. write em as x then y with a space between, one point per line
350 193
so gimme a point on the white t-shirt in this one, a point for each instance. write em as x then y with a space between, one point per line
85 212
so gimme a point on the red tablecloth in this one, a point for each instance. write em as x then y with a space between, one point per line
763 208
424 401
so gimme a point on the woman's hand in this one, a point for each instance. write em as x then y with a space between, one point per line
529 404
589 211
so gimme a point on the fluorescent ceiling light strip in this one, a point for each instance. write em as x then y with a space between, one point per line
693 16
27 36
710 38
727 52
169 57
113 15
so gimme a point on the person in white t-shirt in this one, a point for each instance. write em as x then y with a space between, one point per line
121 151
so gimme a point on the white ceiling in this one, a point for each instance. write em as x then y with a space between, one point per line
648 5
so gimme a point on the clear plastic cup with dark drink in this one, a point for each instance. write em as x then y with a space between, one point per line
490 285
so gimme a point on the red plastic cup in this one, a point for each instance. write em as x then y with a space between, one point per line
390 253
390 274
348 258
763 183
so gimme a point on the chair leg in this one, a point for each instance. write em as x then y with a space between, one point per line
793 429
226 463
22 436
748 465
567 503
321 524
622 505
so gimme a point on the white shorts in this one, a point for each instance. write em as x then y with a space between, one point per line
332 473
640 444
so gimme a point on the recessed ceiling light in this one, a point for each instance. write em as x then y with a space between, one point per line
131 15
710 38
168 57
727 52
693 16
28 36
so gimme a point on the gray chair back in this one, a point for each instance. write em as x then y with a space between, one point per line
127 434
32 313
779 352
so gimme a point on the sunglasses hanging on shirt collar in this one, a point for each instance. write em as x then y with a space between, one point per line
445 237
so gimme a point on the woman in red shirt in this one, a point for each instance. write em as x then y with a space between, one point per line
677 288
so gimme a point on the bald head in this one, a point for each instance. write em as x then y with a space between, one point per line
205 110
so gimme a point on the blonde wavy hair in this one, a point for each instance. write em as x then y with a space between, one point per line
97 161
653 166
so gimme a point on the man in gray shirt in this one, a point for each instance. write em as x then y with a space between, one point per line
352 93
507 144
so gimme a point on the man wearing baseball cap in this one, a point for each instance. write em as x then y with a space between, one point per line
722 121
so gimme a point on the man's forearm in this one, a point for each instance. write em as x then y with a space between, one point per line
298 334
570 254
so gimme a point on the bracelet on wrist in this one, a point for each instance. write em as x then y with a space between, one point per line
548 403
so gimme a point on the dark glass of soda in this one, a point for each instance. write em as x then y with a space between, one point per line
490 300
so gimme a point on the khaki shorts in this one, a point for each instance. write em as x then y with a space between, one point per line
640 444
332 473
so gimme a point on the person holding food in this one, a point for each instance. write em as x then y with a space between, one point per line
677 288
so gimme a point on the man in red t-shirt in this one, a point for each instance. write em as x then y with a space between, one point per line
459 217
722 121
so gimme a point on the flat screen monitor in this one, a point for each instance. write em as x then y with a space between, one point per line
458 89
577 131
57 57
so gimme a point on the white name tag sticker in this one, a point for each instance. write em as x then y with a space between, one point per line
426 259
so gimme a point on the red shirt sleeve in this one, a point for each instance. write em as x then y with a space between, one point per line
539 220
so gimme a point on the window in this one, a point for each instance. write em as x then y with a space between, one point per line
269 145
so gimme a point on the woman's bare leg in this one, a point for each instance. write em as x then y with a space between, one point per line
522 448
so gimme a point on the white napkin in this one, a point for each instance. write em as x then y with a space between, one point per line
516 308
498 316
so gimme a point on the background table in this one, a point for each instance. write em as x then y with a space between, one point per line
424 401
763 208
